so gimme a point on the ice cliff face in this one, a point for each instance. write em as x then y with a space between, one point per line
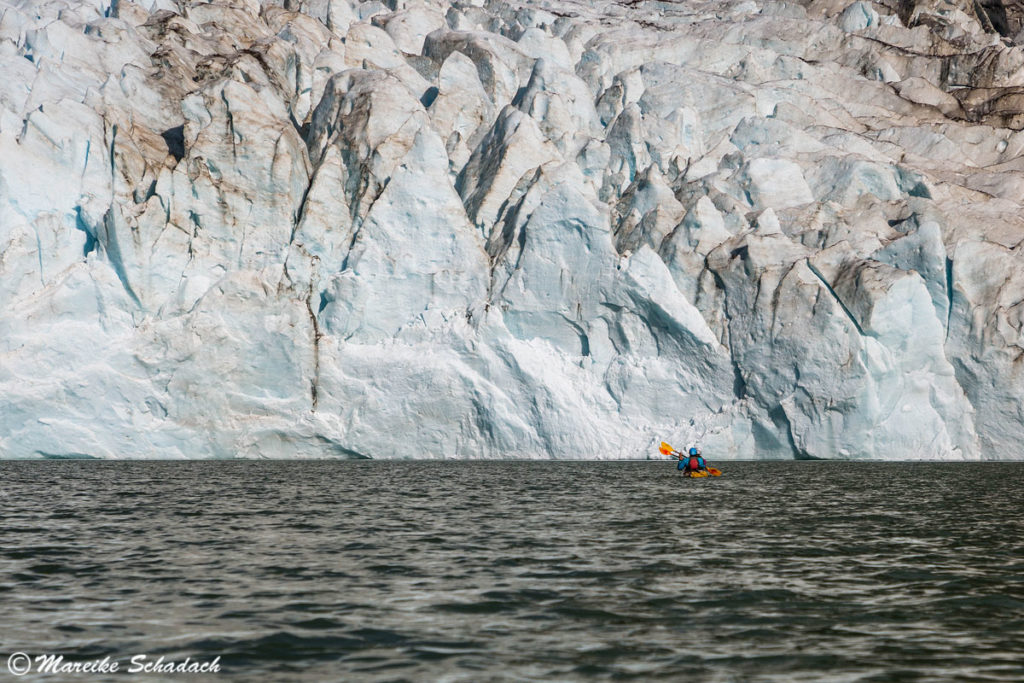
511 229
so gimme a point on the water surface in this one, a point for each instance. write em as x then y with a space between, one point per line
477 571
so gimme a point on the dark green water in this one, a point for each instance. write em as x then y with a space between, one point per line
478 571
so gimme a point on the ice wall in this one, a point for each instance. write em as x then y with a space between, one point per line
489 228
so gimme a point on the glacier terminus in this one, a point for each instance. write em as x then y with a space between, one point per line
511 228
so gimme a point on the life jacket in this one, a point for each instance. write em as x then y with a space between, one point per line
695 463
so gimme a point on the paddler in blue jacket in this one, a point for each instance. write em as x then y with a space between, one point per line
694 462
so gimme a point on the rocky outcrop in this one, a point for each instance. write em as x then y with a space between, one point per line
506 228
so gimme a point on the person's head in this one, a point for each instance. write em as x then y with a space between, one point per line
694 451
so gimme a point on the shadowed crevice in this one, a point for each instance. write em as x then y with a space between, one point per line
175 139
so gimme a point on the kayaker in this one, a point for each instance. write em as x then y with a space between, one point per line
694 462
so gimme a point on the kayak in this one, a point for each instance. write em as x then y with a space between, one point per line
711 472
665 449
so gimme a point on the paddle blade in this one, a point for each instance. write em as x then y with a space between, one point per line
665 446
665 451
714 472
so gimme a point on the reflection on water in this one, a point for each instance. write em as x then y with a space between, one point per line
795 571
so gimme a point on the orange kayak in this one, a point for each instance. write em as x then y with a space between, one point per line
710 472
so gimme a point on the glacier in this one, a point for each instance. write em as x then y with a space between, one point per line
511 228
